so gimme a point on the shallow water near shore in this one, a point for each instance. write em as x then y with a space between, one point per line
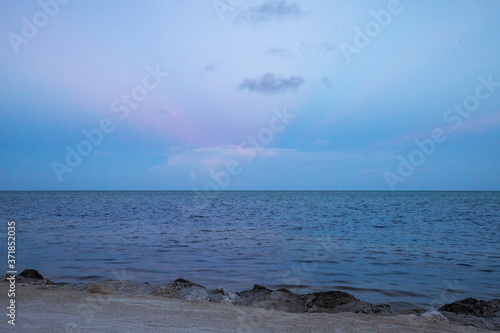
422 248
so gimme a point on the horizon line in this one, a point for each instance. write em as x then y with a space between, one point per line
208 191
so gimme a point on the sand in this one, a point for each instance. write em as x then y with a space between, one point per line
56 310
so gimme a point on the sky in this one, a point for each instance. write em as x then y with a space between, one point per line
249 95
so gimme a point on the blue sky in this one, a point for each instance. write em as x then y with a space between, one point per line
248 94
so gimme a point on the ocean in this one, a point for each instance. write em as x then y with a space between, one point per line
420 248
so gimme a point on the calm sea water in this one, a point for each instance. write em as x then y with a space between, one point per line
423 248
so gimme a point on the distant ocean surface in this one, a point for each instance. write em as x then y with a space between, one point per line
423 248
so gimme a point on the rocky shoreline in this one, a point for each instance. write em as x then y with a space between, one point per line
467 312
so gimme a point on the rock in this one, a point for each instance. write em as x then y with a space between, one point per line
7 276
491 323
100 289
365 307
257 287
258 293
178 285
284 290
44 282
31 274
326 301
434 316
186 282
474 307
183 289
285 300
197 295
262 297
223 295
190 292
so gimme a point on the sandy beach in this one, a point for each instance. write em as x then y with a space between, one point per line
47 309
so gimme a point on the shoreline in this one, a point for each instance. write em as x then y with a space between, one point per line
48 310
259 309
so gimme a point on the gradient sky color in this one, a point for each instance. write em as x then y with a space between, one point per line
232 67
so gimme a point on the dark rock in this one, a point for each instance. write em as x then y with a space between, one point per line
187 283
190 293
257 293
261 297
365 307
28 276
284 290
183 289
326 301
31 274
285 300
258 287
474 307
177 285
223 295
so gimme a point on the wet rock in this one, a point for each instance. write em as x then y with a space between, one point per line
44 282
28 276
257 287
31 274
326 301
193 292
223 295
262 297
177 285
474 307
183 289
258 293
434 316
285 300
197 295
365 307
284 290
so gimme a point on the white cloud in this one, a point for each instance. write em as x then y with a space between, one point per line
215 158
276 166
